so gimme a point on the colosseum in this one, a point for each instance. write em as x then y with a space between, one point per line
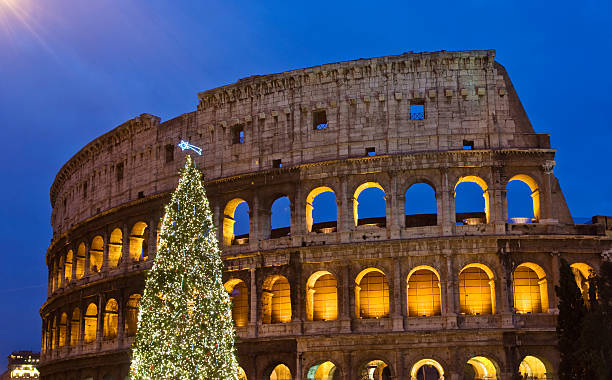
450 294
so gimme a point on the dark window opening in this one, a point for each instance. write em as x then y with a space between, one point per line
120 171
417 111
169 153
370 152
140 194
277 164
65 204
84 190
319 120
468 145
238 134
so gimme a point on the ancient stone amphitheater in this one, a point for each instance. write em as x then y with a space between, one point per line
446 294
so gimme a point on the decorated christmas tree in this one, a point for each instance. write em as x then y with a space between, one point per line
185 327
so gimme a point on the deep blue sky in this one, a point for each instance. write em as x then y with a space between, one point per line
71 70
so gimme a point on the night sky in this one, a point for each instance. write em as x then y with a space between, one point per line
71 70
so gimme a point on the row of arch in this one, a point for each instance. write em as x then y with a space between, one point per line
369 207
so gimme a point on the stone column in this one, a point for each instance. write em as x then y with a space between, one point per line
298 213
253 303
74 262
121 301
152 239
547 212
344 201
451 290
392 208
86 271
446 205
345 305
396 302
125 247
553 279
106 237
100 326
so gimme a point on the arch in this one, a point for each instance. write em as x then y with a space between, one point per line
239 294
60 272
91 323
54 333
111 319
280 217
582 273
75 326
276 300
96 254
229 220
322 297
476 290
315 218
530 289
139 249
280 372
481 368
533 368
132 308
535 199
63 325
371 294
375 370
241 374
68 266
115 247
472 217
378 220
322 371
423 292
80 261
426 369
421 206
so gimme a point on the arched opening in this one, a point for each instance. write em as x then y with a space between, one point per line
375 370
236 222
80 261
530 289
91 323
131 314
321 211
423 292
280 372
420 208
54 333
532 368
582 273
426 369
75 324
369 205
276 300
139 249
371 294
63 326
480 368
322 371
322 297
115 247
96 254
476 290
111 319
241 374
68 267
239 294
523 199
280 218
60 270
471 201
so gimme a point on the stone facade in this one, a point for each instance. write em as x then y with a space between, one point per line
293 134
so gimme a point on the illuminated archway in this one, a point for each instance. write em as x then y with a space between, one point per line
131 314
75 326
371 294
321 210
239 294
229 222
96 254
533 368
322 371
280 217
472 217
91 323
480 368
111 319
60 272
476 290
280 372
420 207
427 369
68 266
322 297
375 370
276 300
582 272
139 249
376 194
530 289
80 261
535 199
54 333
423 292
63 325
115 248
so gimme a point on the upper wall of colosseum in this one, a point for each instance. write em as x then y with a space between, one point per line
385 106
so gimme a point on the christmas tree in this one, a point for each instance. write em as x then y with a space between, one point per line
185 327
